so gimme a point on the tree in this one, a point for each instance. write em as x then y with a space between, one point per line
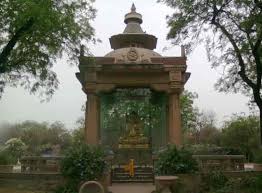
204 130
34 33
189 113
15 147
233 33
208 132
39 137
240 132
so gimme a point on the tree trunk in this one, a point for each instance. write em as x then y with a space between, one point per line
6 52
260 125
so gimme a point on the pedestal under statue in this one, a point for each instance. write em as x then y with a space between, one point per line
133 136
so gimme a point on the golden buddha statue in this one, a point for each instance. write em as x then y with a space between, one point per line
133 137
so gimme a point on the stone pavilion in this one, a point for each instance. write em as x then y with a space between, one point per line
133 63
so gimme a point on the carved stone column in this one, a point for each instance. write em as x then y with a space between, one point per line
92 119
175 132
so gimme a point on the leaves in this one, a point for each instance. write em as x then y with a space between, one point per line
34 34
241 132
175 161
232 31
189 113
116 106
83 163
38 137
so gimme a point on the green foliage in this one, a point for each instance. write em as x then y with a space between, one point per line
204 130
233 36
6 158
34 34
258 156
15 147
240 132
38 137
175 161
117 106
189 113
231 30
214 181
217 182
82 163
124 101
78 135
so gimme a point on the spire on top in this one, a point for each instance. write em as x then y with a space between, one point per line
133 21
133 8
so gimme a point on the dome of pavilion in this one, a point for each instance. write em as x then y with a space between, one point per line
133 44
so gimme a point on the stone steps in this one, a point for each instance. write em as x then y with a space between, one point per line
142 175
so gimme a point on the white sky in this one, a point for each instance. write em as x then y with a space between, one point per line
17 105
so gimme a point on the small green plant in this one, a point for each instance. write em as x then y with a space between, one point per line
81 163
175 161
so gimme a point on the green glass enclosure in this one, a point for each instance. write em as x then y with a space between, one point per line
150 106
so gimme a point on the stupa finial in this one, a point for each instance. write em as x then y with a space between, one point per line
133 8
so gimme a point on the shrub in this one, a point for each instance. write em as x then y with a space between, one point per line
217 182
175 161
81 163
6 158
258 156
213 181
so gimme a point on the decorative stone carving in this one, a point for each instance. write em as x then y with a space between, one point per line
132 55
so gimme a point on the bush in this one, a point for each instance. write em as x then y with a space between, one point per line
82 163
6 158
258 156
175 161
217 182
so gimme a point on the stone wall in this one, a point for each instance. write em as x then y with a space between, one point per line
30 182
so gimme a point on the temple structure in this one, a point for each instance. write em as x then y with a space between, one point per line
132 64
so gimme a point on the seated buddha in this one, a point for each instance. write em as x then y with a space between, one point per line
133 136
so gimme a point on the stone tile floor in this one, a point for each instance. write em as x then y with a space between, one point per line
132 188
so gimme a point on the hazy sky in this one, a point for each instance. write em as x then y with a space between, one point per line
65 106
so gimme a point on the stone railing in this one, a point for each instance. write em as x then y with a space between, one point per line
38 164
6 168
220 162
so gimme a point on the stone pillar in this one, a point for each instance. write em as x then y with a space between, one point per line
174 132
92 119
